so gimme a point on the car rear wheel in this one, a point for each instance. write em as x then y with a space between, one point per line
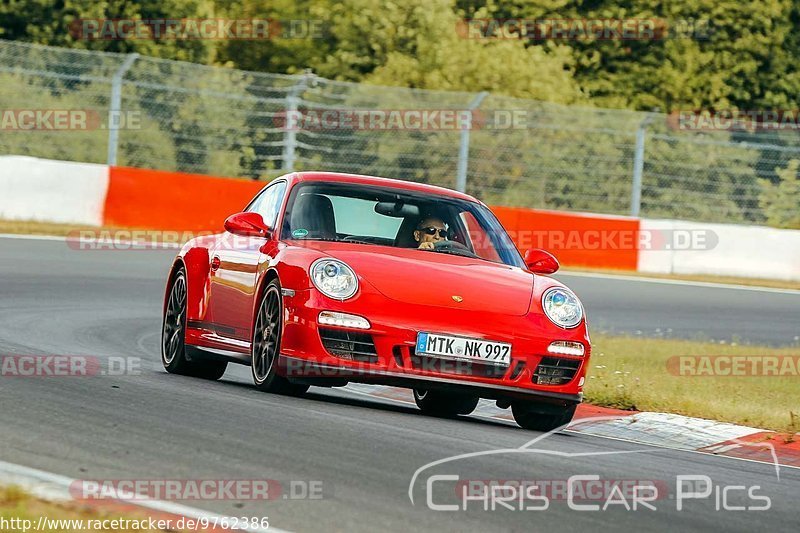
440 403
541 417
267 345
173 337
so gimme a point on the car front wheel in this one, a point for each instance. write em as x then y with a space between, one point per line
447 404
267 345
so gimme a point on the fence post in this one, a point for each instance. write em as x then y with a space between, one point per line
638 167
463 146
114 108
290 133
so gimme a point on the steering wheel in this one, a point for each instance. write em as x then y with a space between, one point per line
453 247
448 246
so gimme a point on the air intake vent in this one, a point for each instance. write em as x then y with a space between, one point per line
349 345
397 353
518 368
555 371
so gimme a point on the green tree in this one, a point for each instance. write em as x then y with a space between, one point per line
301 39
58 23
781 201
743 58
417 44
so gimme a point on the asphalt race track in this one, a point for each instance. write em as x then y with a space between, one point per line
363 451
682 310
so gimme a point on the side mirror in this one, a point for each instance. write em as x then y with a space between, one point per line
247 225
541 262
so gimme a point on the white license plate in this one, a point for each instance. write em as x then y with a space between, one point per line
464 348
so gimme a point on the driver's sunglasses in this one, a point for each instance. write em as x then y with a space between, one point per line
432 231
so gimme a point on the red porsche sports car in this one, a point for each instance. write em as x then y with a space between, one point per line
330 278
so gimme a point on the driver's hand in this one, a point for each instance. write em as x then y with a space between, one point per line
426 246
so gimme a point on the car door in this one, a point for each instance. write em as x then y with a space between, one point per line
234 271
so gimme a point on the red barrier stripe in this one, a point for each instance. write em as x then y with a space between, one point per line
176 201
155 199
576 239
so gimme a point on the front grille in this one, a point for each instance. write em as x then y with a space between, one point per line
455 366
349 345
555 371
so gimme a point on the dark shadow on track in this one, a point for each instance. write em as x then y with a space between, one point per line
317 394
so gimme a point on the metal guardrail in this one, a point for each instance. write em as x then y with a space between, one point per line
213 120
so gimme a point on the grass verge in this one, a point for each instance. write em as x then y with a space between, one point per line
19 511
633 373
45 228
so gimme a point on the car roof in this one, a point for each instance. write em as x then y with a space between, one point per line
340 177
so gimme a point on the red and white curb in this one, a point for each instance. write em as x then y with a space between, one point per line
663 430
674 431
56 488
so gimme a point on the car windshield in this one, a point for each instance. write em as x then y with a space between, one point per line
372 215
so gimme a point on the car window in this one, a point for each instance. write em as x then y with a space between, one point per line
356 216
269 202
371 215
478 239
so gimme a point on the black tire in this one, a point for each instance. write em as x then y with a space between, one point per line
265 351
173 337
446 404
539 417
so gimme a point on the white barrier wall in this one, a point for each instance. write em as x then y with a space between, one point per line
721 249
75 193
52 191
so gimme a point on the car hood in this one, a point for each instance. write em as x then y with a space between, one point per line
437 279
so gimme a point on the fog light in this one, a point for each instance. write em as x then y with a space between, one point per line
332 318
566 348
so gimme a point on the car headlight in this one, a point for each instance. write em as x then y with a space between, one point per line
334 278
562 307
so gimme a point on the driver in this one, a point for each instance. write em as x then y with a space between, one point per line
430 231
